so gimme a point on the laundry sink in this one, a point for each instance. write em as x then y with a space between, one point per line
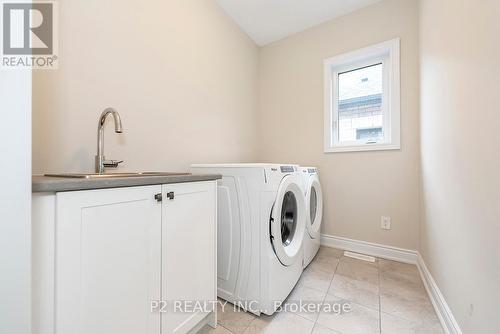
114 175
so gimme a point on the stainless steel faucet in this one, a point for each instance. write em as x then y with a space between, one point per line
100 161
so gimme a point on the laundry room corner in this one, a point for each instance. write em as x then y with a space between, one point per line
358 187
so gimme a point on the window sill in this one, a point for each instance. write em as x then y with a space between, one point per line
361 148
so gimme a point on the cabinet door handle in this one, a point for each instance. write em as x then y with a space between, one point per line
158 198
170 195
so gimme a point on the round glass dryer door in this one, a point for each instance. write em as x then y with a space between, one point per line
314 202
288 218
288 221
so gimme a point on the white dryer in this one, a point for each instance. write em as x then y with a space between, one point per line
261 226
314 213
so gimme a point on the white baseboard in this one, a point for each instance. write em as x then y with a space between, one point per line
448 321
368 248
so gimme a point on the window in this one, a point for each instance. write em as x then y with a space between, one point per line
362 99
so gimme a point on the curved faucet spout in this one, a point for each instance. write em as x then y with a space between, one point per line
116 118
99 159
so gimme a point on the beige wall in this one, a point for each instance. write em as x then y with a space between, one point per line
460 140
182 75
362 186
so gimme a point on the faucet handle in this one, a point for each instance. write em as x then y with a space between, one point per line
111 163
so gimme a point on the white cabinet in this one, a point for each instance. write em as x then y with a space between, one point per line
108 261
104 256
188 254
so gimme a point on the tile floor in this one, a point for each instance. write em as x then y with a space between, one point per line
384 297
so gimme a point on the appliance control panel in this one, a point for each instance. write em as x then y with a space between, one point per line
287 169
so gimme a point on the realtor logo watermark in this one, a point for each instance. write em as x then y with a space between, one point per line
29 36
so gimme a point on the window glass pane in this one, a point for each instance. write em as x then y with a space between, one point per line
360 105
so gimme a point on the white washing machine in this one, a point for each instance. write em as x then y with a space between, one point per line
314 213
261 226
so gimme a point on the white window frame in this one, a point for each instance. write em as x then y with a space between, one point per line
386 53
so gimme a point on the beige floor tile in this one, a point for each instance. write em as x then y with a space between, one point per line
280 323
324 264
410 307
310 299
394 325
398 267
410 288
234 319
400 272
328 256
402 294
332 278
315 277
358 270
331 252
359 320
318 329
399 291
360 292
348 259
219 330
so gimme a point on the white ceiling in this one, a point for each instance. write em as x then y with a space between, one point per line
266 21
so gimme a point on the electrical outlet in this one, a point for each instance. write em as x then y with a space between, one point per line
385 222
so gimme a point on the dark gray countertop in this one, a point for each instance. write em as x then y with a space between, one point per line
42 183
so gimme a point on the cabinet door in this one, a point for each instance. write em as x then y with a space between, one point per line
108 261
188 253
